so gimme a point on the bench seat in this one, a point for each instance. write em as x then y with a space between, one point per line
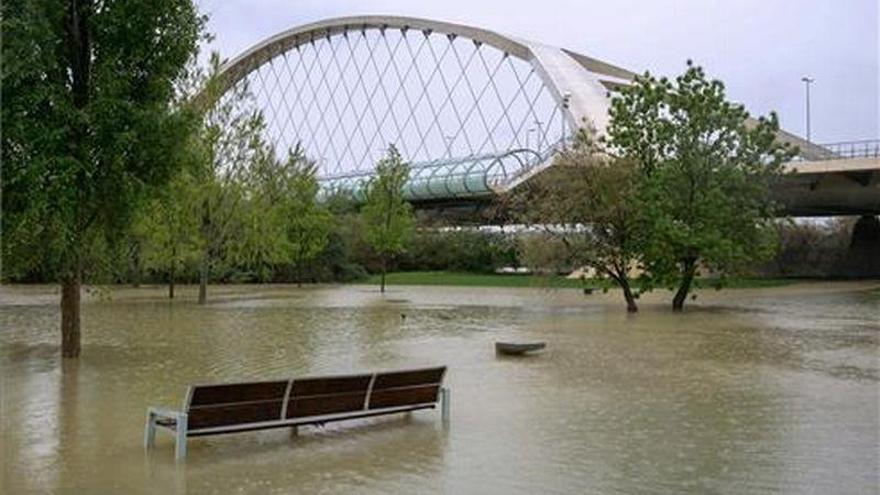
241 407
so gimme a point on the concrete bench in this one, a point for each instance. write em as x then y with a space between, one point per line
240 407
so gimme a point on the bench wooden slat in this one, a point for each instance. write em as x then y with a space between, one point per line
407 378
313 396
326 404
237 392
329 385
231 414
403 396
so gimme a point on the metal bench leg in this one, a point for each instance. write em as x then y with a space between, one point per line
150 431
180 438
444 403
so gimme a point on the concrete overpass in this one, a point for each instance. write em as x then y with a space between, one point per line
845 186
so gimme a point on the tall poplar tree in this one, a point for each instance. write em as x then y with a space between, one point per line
88 127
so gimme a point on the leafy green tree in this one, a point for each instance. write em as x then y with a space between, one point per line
88 128
707 170
308 223
229 145
590 203
388 217
289 224
168 229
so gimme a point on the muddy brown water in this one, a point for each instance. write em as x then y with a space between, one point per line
749 391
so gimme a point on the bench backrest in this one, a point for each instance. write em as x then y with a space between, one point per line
406 388
236 403
211 406
317 396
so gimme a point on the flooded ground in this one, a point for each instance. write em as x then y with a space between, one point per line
749 391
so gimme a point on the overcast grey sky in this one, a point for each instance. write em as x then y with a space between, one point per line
759 48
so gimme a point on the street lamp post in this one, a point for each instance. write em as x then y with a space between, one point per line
807 81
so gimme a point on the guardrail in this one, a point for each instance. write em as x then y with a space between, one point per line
866 148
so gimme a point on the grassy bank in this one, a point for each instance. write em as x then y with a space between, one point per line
497 280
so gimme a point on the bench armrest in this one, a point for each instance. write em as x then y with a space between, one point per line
162 412
179 428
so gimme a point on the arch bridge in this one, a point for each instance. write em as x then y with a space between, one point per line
472 111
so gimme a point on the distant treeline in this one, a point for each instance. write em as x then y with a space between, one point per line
825 249
807 249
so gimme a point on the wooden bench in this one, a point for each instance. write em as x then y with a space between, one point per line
239 407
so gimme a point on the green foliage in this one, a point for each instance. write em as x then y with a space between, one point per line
230 149
460 279
388 218
707 170
88 128
167 227
588 210
546 253
284 199
308 223
818 249
458 250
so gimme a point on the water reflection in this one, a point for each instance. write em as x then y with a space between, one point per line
763 391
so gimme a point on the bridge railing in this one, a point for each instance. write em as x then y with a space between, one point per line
866 148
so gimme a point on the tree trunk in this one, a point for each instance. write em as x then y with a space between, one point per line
384 270
631 306
203 281
689 268
136 265
171 273
70 315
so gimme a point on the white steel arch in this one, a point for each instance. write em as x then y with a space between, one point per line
583 79
497 134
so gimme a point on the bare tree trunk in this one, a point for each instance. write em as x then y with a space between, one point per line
171 272
171 283
384 270
203 281
689 268
136 265
70 315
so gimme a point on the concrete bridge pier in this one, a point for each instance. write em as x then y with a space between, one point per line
863 259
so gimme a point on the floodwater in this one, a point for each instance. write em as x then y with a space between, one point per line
749 391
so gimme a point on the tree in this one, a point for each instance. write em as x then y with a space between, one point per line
388 217
167 225
284 200
707 169
88 129
308 223
589 201
230 145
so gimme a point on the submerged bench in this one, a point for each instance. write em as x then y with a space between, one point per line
239 407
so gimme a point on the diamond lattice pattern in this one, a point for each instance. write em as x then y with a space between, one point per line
437 97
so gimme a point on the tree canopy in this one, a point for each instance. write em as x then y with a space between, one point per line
589 202
89 129
706 167
388 217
